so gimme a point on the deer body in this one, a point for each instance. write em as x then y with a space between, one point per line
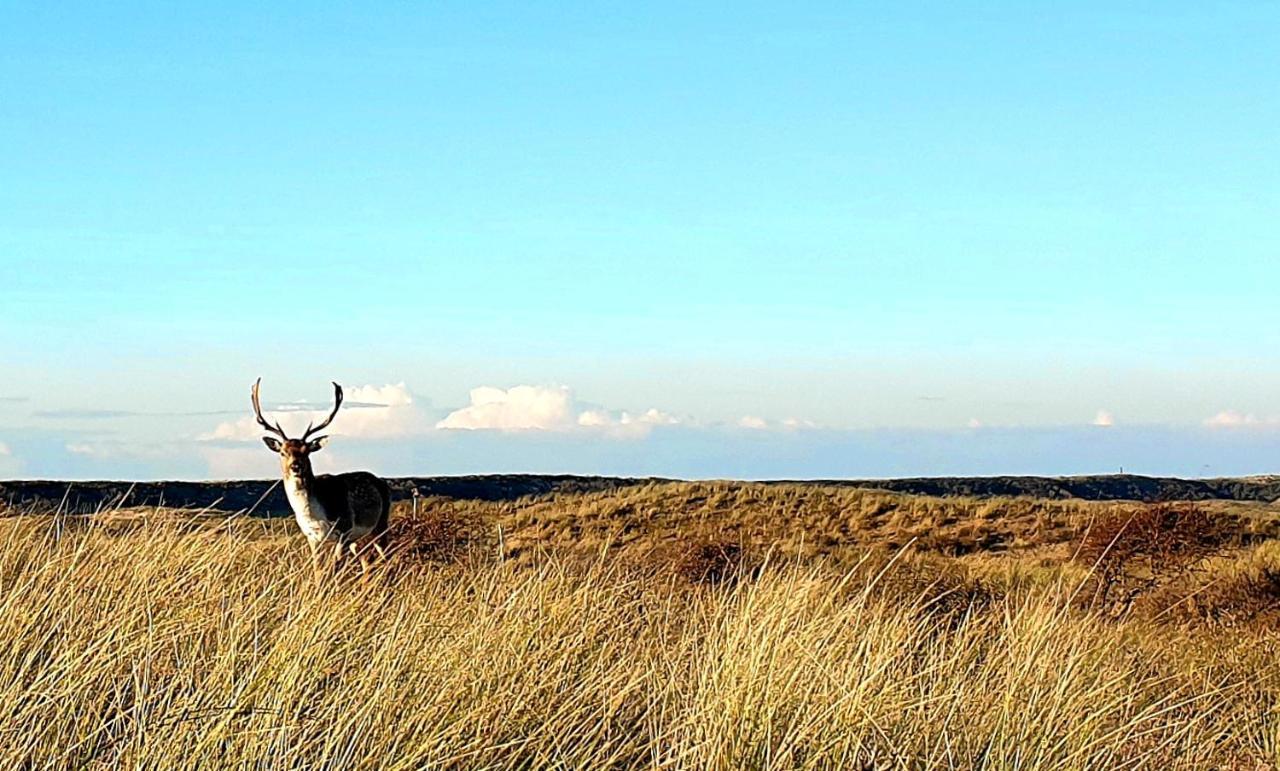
340 508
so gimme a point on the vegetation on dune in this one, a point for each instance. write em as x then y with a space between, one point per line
699 626
837 523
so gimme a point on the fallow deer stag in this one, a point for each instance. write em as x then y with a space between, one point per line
344 509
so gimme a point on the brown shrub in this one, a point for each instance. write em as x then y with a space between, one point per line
714 562
957 542
933 583
441 531
1131 552
1250 596
1162 534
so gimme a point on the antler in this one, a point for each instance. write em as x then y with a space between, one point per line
257 411
337 402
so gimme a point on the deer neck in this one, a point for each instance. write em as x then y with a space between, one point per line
307 509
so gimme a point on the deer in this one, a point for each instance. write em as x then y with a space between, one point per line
344 509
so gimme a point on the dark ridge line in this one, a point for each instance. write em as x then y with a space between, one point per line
265 498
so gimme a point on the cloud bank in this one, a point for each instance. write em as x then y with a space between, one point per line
548 429
1233 419
392 416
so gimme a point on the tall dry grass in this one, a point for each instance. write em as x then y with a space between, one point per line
163 643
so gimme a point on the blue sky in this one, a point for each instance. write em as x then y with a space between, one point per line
833 238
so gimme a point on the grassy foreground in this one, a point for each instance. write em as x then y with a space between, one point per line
157 641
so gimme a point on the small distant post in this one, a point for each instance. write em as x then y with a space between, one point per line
416 496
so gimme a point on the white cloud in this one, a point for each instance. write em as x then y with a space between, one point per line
240 462
1230 419
239 430
597 418
397 395
114 449
757 423
519 408
1104 419
651 417
594 419
547 408
975 423
10 465
797 424
625 423
368 411
1233 419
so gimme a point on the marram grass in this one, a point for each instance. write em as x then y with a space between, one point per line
163 644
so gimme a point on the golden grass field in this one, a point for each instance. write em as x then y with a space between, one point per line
680 625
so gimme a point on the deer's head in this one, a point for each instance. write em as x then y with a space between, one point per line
295 454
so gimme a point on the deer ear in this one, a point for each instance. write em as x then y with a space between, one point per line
318 443
272 443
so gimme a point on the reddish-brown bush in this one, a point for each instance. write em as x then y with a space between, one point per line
714 562
1249 597
1162 534
439 532
1131 552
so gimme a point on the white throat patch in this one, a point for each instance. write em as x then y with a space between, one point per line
308 511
